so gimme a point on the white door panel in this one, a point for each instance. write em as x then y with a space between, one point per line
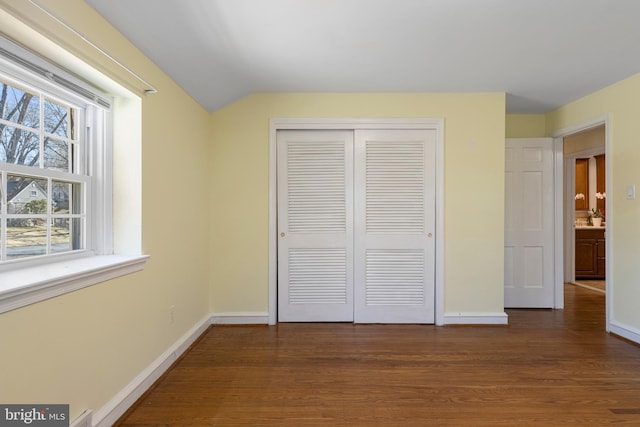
529 228
315 225
394 226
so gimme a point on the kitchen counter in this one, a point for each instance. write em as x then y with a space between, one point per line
589 227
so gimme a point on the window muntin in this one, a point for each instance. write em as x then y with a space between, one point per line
44 206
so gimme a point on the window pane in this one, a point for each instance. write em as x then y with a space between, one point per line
19 146
67 197
56 154
56 119
26 237
60 236
26 195
66 235
77 233
19 106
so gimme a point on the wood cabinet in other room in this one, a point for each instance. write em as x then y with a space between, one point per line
590 253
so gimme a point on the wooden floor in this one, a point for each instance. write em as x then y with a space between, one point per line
597 285
548 368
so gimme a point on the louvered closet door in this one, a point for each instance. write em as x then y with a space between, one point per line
315 226
394 225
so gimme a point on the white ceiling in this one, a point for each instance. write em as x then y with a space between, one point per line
542 53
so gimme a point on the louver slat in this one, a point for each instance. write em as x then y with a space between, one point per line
316 187
395 187
394 277
317 276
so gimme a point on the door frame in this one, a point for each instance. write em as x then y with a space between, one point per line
563 222
277 124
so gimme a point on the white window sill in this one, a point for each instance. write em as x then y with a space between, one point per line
33 284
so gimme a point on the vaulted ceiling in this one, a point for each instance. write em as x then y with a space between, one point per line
542 53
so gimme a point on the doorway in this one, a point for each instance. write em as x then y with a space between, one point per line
568 189
585 162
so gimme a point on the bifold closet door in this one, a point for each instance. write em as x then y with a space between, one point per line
394 226
315 226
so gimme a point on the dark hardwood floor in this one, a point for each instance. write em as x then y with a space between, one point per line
547 368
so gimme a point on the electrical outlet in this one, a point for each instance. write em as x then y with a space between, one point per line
172 314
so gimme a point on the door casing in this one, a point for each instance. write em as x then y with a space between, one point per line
355 124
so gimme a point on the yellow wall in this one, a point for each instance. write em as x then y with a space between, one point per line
474 188
84 347
621 101
586 140
525 126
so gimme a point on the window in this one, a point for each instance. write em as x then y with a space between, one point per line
56 209
44 181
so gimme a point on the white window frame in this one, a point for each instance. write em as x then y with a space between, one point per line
30 280
81 175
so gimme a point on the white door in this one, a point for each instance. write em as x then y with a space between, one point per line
529 228
315 225
394 226
356 226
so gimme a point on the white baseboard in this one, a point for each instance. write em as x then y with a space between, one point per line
625 331
240 318
121 402
84 420
467 318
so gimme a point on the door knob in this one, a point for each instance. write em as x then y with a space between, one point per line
282 234
429 235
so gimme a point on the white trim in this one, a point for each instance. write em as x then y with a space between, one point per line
27 286
625 331
354 124
582 126
240 318
605 120
273 223
83 420
558 249
439 285
473 318
569 220
125 398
